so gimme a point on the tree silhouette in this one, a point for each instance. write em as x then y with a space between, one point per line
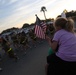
69 14
43 9
25 25
9 30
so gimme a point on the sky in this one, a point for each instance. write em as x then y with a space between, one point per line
14 13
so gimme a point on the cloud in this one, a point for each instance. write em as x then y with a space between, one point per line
14 12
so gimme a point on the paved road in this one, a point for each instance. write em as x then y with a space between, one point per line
30 64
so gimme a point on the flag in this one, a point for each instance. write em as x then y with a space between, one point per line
40 28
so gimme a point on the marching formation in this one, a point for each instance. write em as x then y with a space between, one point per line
22 41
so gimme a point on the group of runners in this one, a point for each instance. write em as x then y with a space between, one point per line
19 42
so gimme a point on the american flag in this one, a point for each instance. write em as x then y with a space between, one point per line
40 28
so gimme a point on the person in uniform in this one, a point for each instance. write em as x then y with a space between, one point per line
6 47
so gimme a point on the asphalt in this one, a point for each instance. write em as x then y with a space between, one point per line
33 63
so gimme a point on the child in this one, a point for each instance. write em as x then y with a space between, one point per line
63 60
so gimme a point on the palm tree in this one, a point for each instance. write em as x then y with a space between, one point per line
43 9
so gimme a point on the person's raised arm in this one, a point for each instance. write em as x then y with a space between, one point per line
53 44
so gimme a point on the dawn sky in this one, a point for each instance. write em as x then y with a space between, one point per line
14 13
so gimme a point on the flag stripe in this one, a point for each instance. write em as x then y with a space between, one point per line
44 27
39 32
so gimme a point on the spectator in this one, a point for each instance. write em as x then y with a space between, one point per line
64 59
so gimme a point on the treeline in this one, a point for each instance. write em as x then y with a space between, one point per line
68 14
25 25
